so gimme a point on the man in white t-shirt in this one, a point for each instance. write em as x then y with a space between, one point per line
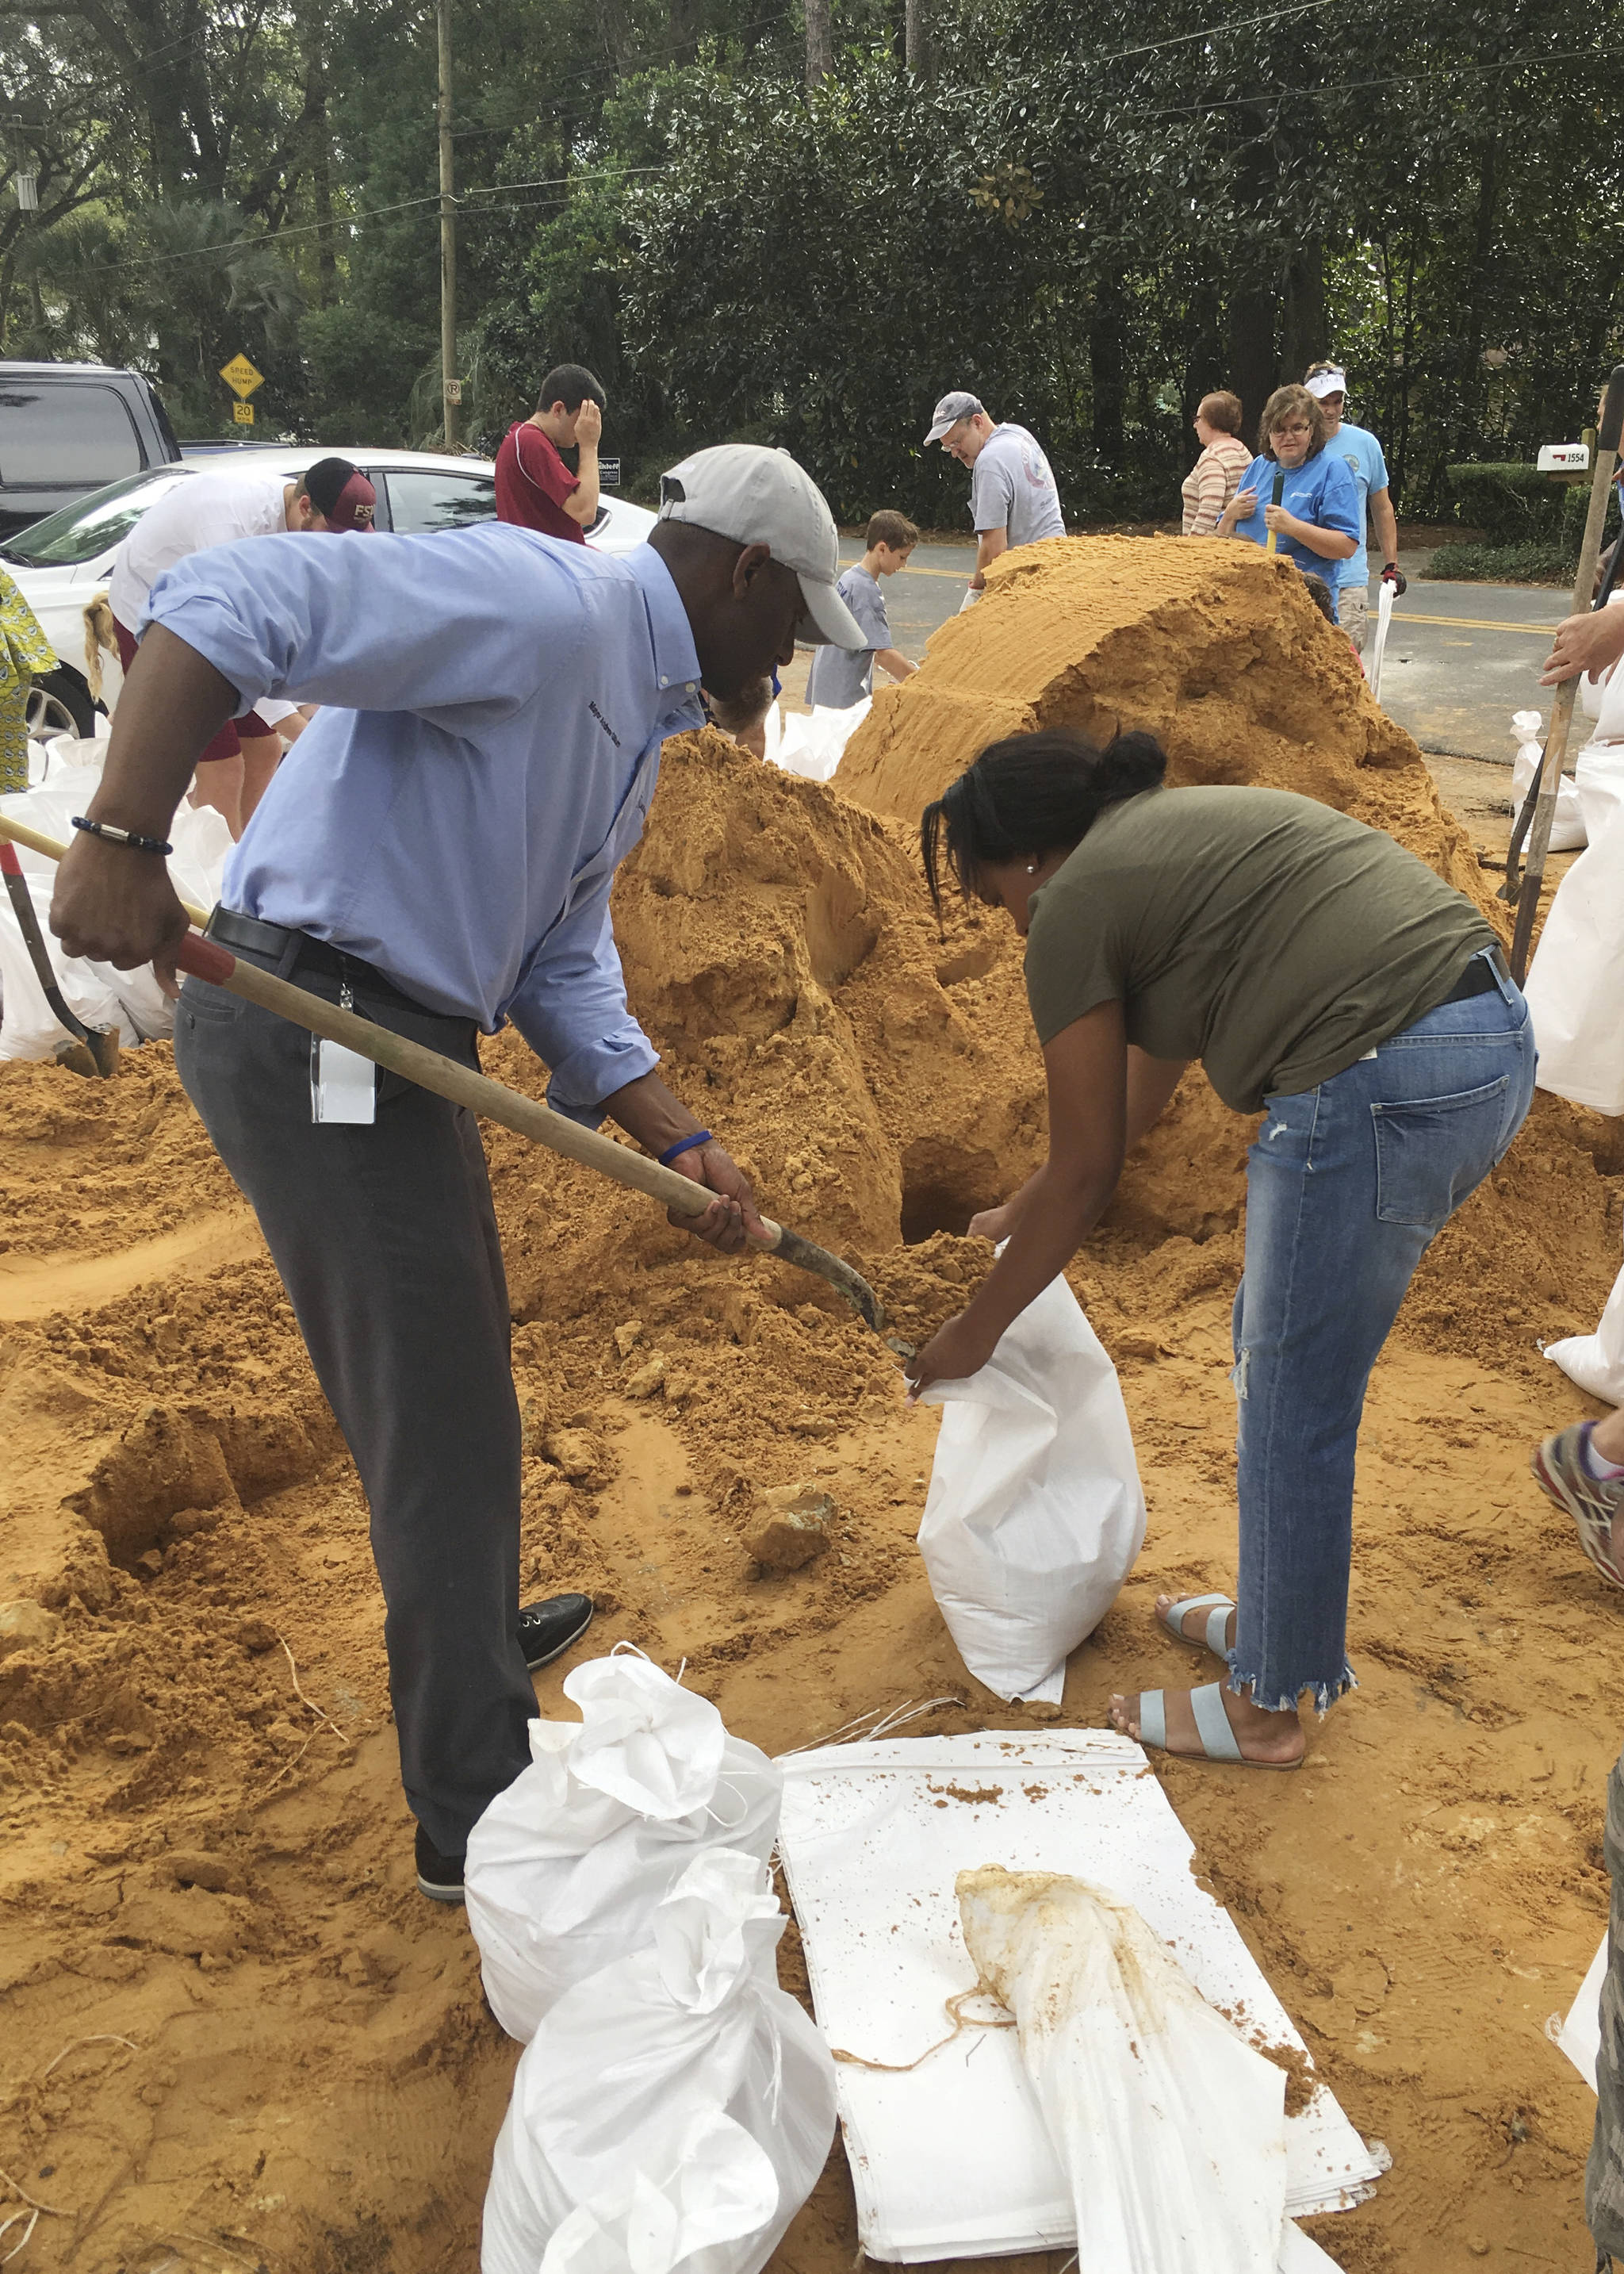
1013 500
209 509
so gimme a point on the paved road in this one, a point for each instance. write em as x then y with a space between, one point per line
1460 658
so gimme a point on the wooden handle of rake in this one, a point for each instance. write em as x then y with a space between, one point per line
208 959
1527 893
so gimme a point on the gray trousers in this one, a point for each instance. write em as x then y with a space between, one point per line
1603 2177
387 1243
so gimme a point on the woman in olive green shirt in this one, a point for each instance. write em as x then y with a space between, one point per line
1324 977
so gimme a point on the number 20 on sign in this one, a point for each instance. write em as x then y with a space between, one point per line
243 413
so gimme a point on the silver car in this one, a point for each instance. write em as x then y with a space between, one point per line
62 563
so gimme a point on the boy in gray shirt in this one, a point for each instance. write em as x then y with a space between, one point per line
841 677
1013 500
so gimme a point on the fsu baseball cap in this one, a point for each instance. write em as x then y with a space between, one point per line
1326 382
949 411
344 497
755 496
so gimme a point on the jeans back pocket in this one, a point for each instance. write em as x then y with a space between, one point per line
1432 1153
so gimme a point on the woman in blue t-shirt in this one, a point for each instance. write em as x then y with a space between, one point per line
1318 518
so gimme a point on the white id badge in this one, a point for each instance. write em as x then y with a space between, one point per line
343 1085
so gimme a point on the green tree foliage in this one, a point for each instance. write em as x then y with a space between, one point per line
1089 219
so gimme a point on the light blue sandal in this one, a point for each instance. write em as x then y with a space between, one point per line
1211 1726
1210 1637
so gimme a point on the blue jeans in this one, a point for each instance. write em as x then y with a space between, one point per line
1346 1186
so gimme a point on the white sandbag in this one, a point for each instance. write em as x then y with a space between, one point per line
1567 822
565 1867
1577 981
29 1029
674 2109
813 743
132 999
1035 1511
1170 2128
1596 1362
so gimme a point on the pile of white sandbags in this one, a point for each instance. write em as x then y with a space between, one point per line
671 2100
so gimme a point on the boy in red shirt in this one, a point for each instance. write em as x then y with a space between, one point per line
534 487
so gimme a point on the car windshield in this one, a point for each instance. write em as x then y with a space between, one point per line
92 525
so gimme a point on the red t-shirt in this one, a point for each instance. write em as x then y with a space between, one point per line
532 482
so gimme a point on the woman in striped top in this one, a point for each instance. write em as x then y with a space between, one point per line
1215 476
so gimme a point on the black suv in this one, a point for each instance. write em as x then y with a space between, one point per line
66 428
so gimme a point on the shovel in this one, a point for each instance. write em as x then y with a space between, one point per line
1271 544
89 1050
208 959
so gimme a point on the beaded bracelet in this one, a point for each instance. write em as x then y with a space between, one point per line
685 1145
123 837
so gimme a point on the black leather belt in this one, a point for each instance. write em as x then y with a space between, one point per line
287 951
1482 975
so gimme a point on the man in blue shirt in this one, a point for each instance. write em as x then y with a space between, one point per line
1361 453
438 850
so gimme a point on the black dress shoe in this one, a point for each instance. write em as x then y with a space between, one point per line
440 1877
547 1629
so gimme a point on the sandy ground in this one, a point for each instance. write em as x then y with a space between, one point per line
233 2035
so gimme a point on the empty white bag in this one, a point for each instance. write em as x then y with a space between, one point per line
812 743
566 1866
1035 1511
1577 980
673 2110
1168 2126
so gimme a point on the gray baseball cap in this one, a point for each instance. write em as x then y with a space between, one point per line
757 496
949 410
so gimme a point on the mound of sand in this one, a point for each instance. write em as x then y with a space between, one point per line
1215 649
232 2027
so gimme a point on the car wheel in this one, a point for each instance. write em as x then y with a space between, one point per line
60 703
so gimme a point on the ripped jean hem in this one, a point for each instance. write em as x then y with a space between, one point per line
1325 1694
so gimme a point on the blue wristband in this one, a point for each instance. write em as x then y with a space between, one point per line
685 1145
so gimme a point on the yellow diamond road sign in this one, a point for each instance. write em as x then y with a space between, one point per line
241 377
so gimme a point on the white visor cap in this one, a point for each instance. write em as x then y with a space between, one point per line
757 496
1326 382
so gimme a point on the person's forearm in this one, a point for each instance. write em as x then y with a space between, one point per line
1588 641
1330 544
1055 1216
892 660
172 705
648 1112
582 503
988 544
1386 526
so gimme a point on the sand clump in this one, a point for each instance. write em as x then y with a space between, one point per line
235 2033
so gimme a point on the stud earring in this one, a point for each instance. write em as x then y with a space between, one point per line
1031 867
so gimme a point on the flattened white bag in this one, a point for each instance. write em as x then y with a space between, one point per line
673 2110
566 1866
1035 1511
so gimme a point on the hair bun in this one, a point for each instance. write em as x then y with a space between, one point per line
1130 764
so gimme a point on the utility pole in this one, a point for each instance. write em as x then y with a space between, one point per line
451 386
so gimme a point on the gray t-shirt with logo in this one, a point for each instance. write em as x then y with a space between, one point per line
841 676
1011 488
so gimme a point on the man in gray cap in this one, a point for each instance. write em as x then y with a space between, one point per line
1013 500
439 851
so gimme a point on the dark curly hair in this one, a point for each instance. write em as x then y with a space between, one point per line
1028 796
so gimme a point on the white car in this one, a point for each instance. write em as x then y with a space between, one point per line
60 563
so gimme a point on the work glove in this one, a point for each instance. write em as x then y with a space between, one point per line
1391 575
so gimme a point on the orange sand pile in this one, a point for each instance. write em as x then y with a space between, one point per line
233 2034
1215 649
